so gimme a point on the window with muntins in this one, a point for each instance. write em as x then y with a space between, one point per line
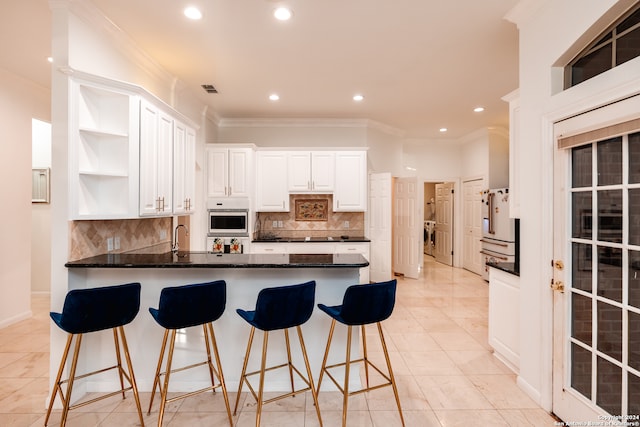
619 44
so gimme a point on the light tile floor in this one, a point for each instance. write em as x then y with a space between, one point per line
437 337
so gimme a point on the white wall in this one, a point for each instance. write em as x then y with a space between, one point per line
432 160
21 101
485 153
498 159
547 33
41 212
385 152
293 133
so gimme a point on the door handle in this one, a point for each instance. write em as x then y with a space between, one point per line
557 286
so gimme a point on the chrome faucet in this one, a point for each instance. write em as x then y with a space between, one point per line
176 246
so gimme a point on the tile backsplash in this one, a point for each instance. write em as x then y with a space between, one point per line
335 225
89 238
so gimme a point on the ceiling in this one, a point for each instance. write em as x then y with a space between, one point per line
420 64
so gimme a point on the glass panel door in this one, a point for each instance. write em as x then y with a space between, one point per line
598 326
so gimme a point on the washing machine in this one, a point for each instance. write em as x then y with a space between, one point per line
429 237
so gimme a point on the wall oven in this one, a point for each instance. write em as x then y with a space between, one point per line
228 217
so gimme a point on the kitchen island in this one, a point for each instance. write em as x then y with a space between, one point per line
245 275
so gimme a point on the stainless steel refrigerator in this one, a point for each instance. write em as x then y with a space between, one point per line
498 230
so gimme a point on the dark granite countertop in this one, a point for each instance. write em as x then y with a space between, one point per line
332 239
508 267
212 260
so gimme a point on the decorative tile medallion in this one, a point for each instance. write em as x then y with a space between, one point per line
312 209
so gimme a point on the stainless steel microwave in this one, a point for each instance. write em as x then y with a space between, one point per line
228 217
228 223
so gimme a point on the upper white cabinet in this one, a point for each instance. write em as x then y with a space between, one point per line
128 153
311 171
229 171
103 155
350 194
184 168
156 161
271 181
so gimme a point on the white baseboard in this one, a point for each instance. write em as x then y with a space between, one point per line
15 319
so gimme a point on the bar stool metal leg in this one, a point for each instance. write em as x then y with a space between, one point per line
286 338
156 378
364 353
244 369
131 379
56 386
314 392
326 353
209 363
347 369
391 376
223 385
263 364
167 374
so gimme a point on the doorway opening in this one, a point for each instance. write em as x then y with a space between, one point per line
438 227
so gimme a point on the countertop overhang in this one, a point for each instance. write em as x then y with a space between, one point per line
214 260
338 239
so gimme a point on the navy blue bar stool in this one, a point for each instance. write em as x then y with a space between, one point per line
361 305
182 307
92 310
279 308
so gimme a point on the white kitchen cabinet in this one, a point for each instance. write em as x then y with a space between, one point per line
103 155
350 194
504 317
362 248
272 194
184 169
156 161
311 171
311 248
229 172
269 248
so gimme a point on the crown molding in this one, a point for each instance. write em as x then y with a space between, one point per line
306 122
523 11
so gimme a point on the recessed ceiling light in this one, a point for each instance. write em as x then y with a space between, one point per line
50 59
358 97
274 97
282 13
443 129
193 13
478 109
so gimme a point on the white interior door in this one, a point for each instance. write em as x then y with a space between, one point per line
472 225
444 223
596 369
408 227
380 194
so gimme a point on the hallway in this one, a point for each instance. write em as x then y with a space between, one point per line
437 336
